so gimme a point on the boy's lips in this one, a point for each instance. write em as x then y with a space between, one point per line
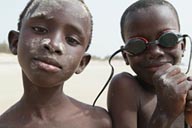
154 66
47 64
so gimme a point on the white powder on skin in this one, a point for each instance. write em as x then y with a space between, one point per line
59 45
34 45
45 41
44 7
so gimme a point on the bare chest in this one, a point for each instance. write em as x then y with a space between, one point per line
67 124
75 121
146 108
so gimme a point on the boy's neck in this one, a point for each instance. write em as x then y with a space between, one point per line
42 97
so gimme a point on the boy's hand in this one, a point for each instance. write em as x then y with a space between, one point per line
171 88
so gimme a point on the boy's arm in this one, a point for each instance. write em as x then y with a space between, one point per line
122 102
171 88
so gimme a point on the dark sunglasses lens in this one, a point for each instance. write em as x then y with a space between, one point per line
168 40
135 46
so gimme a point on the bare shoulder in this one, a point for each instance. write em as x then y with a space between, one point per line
97 117
101 117
124 81
9 118
123 88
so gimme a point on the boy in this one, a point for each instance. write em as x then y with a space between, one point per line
51 44
156 96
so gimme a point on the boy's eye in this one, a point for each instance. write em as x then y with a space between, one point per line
72 41
40 29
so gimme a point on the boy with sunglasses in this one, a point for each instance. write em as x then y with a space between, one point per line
156 97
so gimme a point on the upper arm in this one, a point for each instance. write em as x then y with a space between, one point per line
123 101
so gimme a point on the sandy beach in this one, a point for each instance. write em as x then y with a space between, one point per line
83 87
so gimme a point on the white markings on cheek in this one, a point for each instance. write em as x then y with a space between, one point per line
35 41
33 44
45 41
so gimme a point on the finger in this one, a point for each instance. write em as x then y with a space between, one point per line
178 78
175 80
173 71
184 87
168 70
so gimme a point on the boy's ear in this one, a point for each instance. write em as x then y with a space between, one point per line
84 62
13 38
183 46
124 54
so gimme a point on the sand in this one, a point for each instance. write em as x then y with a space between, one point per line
83 87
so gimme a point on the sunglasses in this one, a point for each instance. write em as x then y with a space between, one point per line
137 45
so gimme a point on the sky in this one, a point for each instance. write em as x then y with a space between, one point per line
106 18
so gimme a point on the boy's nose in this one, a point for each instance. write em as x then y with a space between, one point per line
55 45
154 51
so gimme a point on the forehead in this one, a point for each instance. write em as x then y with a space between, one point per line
61 13
45 7
150 20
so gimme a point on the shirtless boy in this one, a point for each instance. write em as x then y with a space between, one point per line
51 44
156 96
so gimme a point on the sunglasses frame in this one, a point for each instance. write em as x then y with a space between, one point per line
158 41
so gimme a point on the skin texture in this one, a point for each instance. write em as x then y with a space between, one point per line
51 47
156 97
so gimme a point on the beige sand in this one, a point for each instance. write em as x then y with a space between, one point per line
83 87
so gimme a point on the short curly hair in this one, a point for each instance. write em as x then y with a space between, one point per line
140 4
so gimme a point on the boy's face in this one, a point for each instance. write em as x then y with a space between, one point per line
52 42
150 23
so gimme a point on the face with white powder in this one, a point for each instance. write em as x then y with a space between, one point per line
52 41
